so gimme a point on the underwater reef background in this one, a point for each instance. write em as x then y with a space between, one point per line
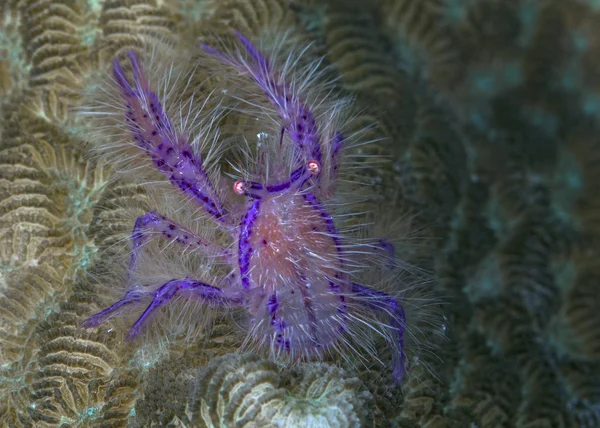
488 111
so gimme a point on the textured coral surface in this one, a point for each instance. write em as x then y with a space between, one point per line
486 112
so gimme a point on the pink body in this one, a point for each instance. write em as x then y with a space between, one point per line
296 267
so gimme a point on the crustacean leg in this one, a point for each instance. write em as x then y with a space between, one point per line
381 301
153 224
191 288
170 152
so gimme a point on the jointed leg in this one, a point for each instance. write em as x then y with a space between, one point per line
153 223
195 289
160 297
154 133
384 302
300 123
131 297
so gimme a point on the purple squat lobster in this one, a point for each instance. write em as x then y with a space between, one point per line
288 262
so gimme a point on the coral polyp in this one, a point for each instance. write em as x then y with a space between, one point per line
280 247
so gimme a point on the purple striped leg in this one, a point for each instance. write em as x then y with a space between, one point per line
131 297
300 123
170 152
384 302
190 287
153 223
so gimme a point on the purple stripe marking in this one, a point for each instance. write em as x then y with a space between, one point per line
196 190
301 122
274 188
245 249
398 322
312 200
294 177
272 304
138 236
119 75
172 160
252 185
152 223
338 140
131 297
220 55
254 53
276 321
196 187
169 290
137 72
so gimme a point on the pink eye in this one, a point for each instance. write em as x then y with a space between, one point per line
239 187
313 167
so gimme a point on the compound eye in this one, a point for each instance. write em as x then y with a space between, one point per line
313 167
239 187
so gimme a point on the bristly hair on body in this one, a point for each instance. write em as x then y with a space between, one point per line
256 203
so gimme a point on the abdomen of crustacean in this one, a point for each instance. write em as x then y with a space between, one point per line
299 289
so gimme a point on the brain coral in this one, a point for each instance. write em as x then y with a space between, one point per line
246 391
491 129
